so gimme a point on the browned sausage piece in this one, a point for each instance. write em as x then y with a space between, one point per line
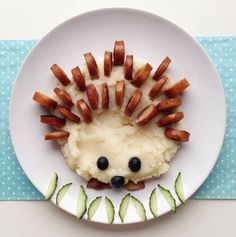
133 102
92 66
162 68
171 118
157 87
44 100
147 114
78 78
177 135
96 184
169 104
85 111
177 88
128 67
105 96
107 63
134 186
64 96
141 75
60 75
120 92
52 120
119 53
68 114
93 96
56 135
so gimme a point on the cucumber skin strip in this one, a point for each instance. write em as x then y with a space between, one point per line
60 190
162 189
154 192
86 198
109 202
135 200
178 181
97 199
122 217
48 196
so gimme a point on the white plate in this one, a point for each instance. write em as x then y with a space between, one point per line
150 38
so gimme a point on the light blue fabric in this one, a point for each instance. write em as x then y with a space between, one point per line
221 183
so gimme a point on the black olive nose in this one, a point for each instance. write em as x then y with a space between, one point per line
117 181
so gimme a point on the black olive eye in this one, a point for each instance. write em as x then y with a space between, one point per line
102 163
135 164
117 181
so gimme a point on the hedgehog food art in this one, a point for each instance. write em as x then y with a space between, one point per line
116 122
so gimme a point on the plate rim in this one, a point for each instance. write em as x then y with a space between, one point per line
105 10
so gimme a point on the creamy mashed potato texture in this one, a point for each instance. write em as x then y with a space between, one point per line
116 136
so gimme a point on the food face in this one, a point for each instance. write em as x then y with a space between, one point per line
111 129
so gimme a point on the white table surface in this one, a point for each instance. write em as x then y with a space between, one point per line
27 19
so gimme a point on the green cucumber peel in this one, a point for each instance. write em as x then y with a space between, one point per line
153 203
81 203
169 197
110 210
93 207
123 207
139 208
52 186
61 193
179 188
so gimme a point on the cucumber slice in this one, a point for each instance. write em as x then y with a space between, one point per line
179 188
153 203
140 208
52 186
124 206
93 207
110 210
81 203
169 198
61 193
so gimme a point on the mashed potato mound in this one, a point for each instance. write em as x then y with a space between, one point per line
116 136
